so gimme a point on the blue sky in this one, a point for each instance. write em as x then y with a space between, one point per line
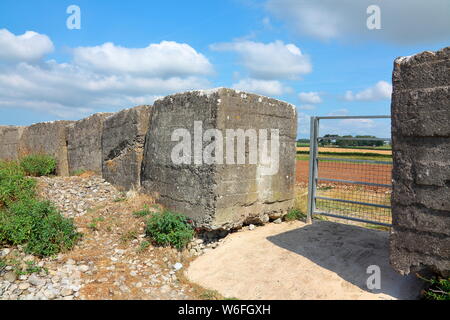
316 54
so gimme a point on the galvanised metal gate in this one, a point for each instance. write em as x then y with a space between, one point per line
347 187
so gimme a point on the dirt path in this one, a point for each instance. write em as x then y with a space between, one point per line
296 261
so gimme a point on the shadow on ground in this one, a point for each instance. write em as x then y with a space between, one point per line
348 251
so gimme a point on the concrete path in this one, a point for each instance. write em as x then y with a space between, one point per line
324 260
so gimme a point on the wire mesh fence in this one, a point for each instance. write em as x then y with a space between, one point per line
367 183
351 189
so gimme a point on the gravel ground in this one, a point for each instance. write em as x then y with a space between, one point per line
114 259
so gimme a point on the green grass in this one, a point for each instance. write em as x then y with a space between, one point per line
14 185
38 165
143 246
294 214
129 236
301 155
27 221
354 210
210 295
142 213
439 289
169 229
78 172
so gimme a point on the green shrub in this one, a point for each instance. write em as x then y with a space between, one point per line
37 165
439 289
294 214
169 228
14 185
38 226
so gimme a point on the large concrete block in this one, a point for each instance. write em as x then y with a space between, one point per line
421 162
220 185
47 138
123 146
85 143
422 219
9 142
412 114
424 70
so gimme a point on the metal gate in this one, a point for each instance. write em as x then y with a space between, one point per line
348 187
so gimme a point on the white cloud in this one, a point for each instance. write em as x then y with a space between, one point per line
310 97
357 123
307 107
338 112
271 61
165 59
264 87
402 21
72 90
30 46
380 91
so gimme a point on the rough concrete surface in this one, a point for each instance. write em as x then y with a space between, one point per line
9 142
85 143
324 260
421 162
123 146
47 138
220 195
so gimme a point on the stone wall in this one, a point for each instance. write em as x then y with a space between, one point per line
9 142
220 196
85 144
123 146
47 138
421 173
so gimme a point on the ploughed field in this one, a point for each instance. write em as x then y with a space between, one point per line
373 173
349 150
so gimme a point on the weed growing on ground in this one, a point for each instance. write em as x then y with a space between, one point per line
294 214
27 221
37 165
142 213
439 288
169 229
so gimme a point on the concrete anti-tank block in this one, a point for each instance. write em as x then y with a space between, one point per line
9 142
204 157
85 143
47 138
123 146
421 162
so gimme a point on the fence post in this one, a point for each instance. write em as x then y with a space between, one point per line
312 169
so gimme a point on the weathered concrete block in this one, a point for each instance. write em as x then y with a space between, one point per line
220 185
424 70
412 112
405 260
421 162
422 219
9 142
123 146
47 138
85 143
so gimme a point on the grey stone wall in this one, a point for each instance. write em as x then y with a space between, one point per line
85 143
220 196
9 142
47 138
123 146
421 154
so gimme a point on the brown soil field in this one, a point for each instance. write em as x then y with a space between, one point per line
365 172
348 150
